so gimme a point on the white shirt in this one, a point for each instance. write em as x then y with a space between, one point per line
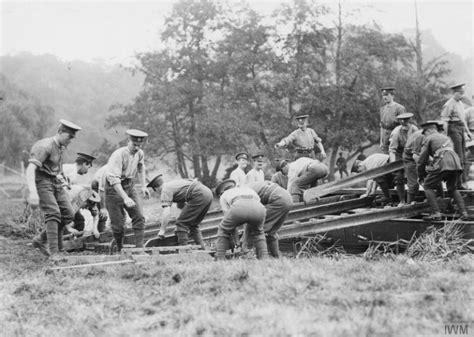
228 195
295 168
239 176
70 172
100 176
255 176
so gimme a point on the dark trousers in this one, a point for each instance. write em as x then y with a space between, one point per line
54 200
57 209
277 209
433 181
456 133
315 170
412 179
116 208
198 202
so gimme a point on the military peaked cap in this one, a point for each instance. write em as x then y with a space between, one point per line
241 155
224 185
155 182
301 116
405 115
457 87
70 125
86 157
137 134
387 90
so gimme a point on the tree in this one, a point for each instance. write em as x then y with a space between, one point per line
24 121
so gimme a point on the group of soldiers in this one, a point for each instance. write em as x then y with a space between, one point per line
245 198
430 157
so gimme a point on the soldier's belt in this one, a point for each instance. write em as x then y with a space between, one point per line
304 150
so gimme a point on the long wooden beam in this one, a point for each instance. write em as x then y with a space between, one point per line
312 194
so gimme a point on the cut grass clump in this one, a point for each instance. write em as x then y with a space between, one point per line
317 246
440 243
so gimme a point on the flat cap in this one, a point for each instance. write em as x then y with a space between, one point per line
387 90
70 125
243 155
457 87
405 115
224 185
155 182
86 157
137 134
301 116
94 197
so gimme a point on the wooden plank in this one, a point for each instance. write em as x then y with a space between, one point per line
161 249
90 265
319 191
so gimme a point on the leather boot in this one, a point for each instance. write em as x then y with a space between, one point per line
197 237
119 241
182 238
60 238
247 240
139 234
223 243
431 197
401 193
410 198
52 236
273 247
460 202
261 247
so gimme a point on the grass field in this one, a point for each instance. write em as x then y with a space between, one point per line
320 296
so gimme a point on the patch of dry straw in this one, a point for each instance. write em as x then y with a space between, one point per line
440 243
317 246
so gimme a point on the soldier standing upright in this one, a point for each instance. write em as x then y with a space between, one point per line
120 194
256 174
388 117
398 140
303 139
46 189
238 175
454 116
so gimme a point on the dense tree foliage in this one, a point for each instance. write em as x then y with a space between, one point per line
23 121
230 79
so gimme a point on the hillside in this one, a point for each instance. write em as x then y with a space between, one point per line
461 69
79 91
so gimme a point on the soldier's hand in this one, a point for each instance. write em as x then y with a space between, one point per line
33 200
73 231
129 202
103 214
146 193
323 155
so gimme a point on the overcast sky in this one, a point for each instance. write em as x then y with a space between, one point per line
114 31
